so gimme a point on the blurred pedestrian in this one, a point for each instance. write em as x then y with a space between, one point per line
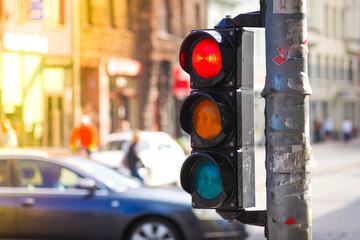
317 130
85 136
8 136
51 177
132 157
347 127
328 128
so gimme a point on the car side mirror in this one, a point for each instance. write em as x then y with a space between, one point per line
88 184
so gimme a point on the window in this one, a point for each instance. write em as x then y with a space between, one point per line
116 146
89 12
197 16
182 19
327 68
335 69
342 69
342 21
129 13
164 16
318 66
163 146
335 33
4 178
112 14
350 71
41 174
326 19
1 9
54 12
21 10
144 145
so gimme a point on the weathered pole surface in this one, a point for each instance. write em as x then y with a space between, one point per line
288 151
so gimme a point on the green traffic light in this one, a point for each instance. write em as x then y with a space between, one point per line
207 180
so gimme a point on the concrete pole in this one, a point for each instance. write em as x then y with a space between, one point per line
288 152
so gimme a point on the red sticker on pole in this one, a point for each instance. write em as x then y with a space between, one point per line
290 221
279 60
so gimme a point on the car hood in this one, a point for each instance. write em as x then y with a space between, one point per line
171 196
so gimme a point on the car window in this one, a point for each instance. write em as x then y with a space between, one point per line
39 174
144 145
115 146
3 173
111 178
163 146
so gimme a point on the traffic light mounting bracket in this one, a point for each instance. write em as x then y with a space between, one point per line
251 19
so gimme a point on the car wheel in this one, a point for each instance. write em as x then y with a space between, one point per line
153 228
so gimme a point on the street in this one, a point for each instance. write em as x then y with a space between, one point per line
335 191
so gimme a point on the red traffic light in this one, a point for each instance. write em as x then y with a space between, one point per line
206 58
209 57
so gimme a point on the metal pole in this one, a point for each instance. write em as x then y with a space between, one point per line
288 151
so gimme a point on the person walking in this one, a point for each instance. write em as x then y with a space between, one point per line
85 136
8 136
347 129
132 157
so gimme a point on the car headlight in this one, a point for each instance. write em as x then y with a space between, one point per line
206 214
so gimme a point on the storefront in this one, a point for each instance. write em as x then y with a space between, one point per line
36 97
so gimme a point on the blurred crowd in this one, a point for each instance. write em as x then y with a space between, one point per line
324 130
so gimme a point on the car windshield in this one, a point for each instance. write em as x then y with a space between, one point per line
111 178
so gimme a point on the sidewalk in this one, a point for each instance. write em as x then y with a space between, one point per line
335 186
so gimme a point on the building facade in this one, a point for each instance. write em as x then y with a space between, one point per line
115 61
36 84
108 72
333 38
162 25
129 58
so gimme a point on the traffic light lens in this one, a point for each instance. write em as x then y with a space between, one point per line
207 180
206 58
206 119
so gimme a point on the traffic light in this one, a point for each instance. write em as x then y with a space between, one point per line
219 117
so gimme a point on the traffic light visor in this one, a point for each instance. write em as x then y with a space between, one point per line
206 58
207 180
206 119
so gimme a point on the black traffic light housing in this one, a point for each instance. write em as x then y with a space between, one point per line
227 159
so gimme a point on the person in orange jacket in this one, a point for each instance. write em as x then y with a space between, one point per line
85 136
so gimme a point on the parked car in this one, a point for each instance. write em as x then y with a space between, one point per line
160 154
56 195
